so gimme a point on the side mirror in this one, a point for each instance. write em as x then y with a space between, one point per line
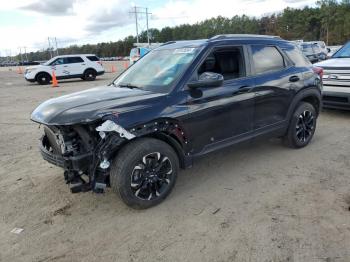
328 49
207 79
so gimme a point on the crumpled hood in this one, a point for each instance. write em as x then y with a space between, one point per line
91 104
335 62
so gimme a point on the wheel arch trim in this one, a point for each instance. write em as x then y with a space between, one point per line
313 93
89 68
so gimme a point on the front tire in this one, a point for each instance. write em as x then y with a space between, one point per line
302 126
144 172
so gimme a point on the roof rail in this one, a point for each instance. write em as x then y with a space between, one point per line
242 36
168 43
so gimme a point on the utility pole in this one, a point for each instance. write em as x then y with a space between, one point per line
136 12
56 46
25 53
147 26
20 53
48 39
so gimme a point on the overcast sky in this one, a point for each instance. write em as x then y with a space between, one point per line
29 22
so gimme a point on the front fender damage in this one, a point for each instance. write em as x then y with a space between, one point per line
109 126
109 137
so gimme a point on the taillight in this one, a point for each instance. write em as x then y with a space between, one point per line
99 62
318 70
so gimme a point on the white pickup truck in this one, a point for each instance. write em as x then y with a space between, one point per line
336 79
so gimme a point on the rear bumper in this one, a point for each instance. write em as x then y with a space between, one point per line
337 97
100 73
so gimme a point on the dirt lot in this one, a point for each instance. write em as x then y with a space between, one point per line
256 202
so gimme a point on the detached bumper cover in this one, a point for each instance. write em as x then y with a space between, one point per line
337 97
76 163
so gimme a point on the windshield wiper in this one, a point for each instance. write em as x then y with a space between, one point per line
128 85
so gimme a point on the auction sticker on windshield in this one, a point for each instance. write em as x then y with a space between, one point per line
184 50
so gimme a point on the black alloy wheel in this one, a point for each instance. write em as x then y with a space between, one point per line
305 126
151 176
302 126
144 172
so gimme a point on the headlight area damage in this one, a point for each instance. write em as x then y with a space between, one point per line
85 151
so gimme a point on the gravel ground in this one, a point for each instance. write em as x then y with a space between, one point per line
254 202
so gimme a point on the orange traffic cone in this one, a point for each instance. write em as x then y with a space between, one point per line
113 69
19 70
54 79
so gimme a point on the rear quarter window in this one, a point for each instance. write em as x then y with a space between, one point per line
267 59
93 58
297 57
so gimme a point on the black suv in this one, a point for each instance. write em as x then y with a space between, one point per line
180 101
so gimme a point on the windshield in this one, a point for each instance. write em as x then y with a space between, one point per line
316 48
158 70
343 52
50 61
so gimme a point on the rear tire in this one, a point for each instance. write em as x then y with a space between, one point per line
144 172
302 126
43 78
89 75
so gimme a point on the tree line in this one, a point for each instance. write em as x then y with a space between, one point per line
329 21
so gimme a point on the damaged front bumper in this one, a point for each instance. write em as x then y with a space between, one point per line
75 163
86 167
85 152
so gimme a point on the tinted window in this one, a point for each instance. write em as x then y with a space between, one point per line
226 61
93 58
266 59
297 57
74 59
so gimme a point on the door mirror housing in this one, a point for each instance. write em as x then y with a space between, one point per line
207 79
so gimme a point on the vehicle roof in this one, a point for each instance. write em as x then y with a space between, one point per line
75 55
240 38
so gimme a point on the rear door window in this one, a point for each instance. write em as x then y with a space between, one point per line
267 59
74 59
